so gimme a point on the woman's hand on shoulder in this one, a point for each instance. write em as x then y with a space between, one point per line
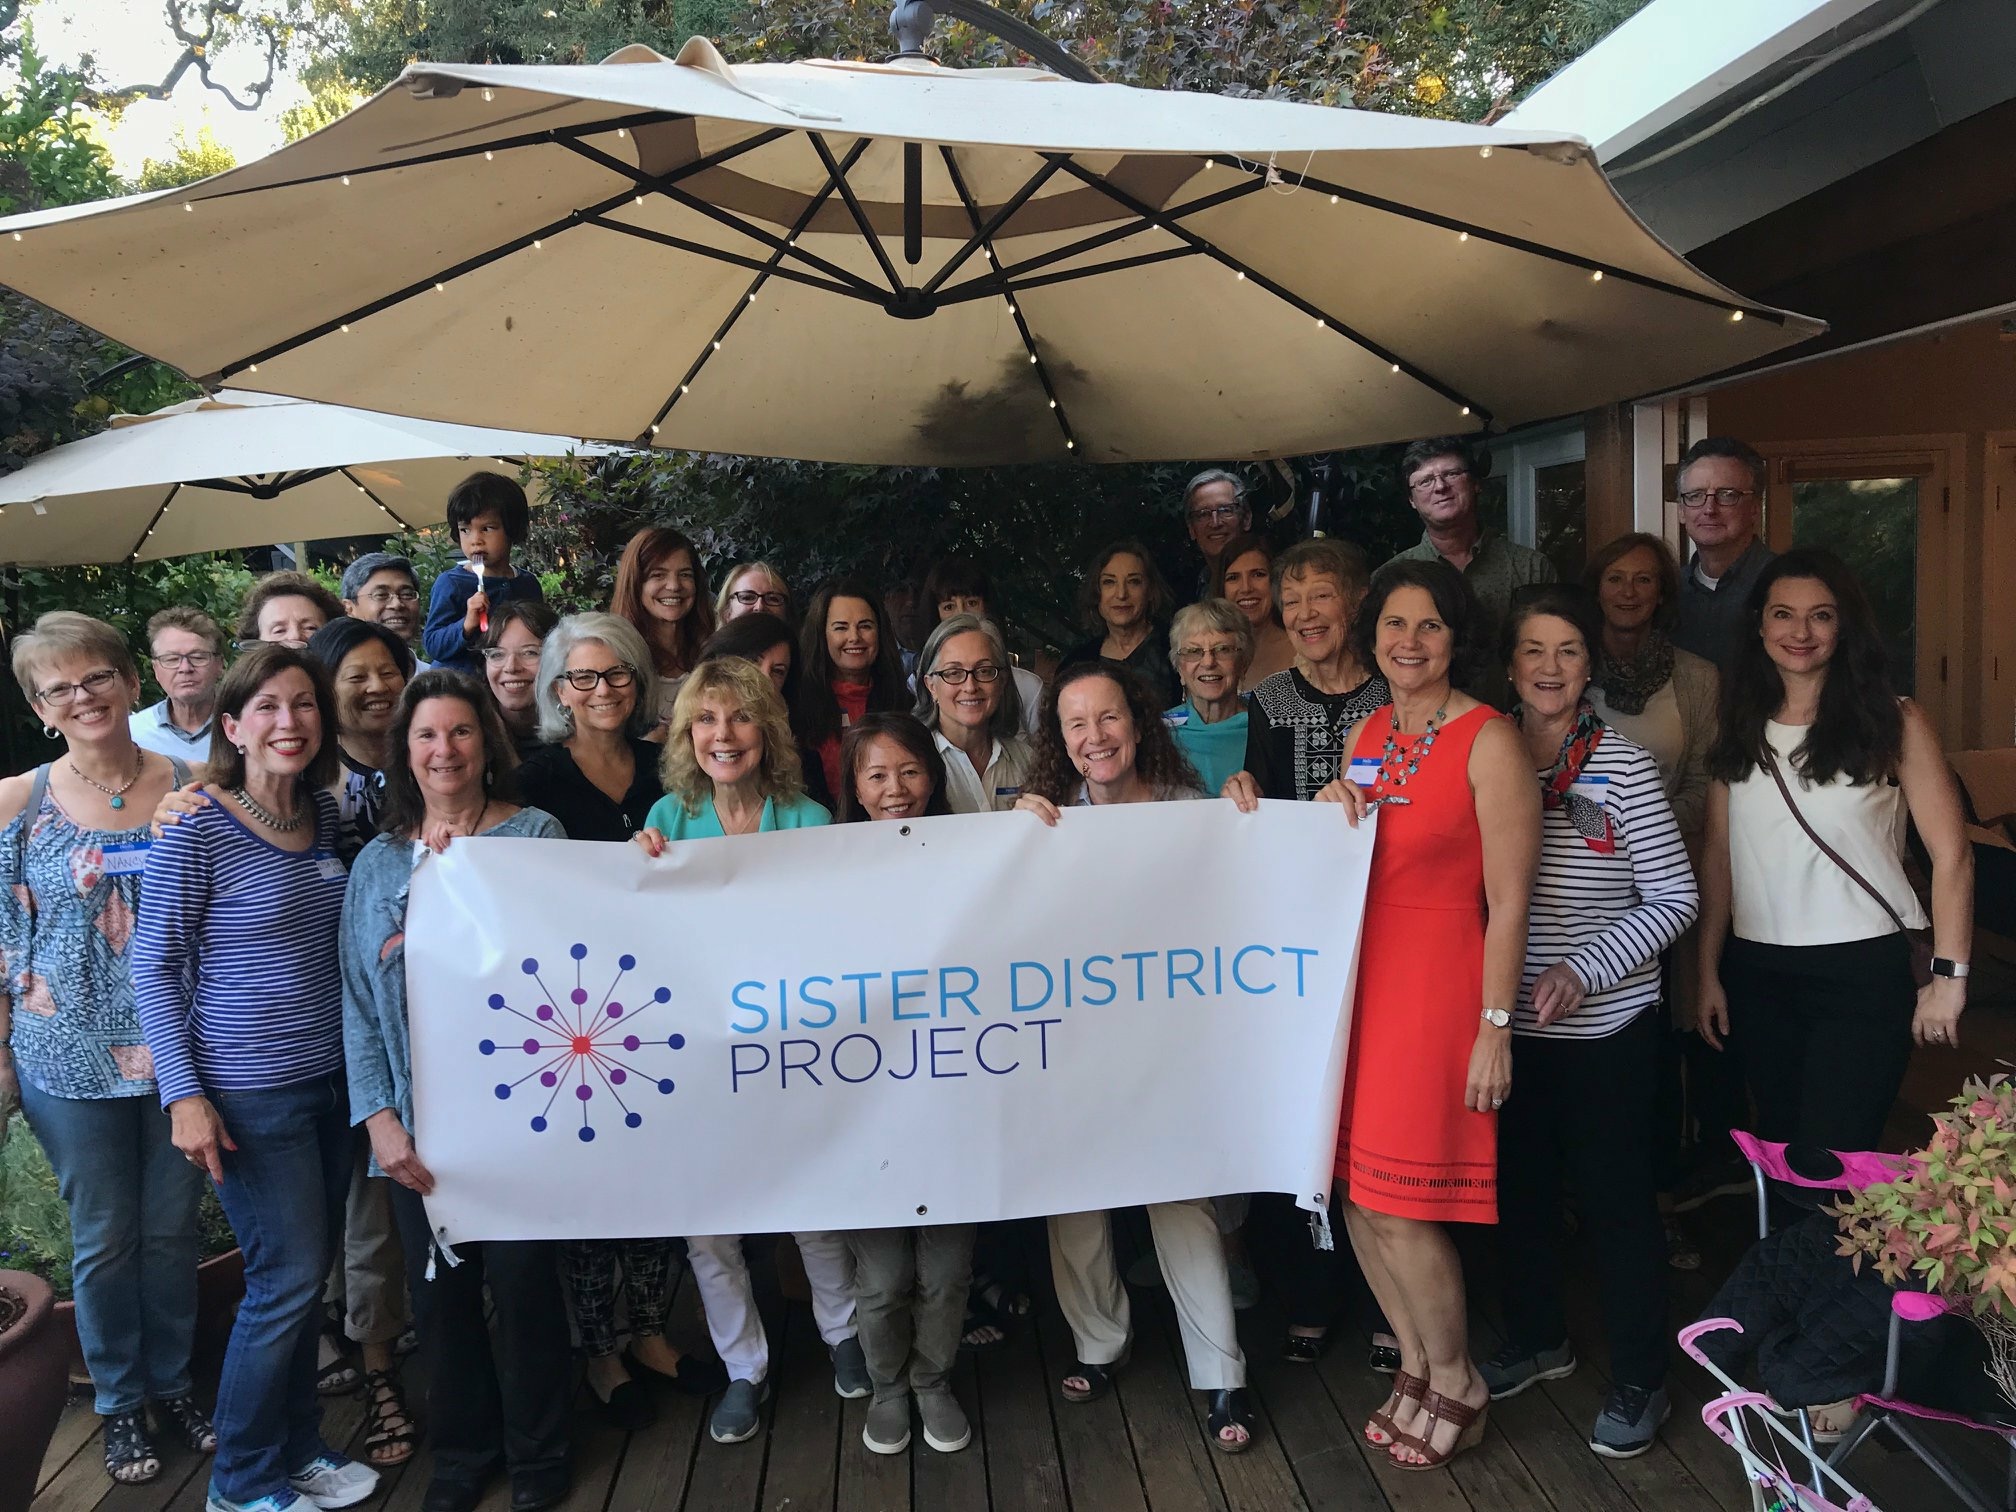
178 803
1041 807
651 839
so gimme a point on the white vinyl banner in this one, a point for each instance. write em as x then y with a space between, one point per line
949 1020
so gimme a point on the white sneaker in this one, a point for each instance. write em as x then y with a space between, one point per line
333 1480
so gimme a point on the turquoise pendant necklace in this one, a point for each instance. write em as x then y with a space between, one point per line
1397 763
117 795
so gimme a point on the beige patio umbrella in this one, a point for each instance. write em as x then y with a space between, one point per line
900 264
245 469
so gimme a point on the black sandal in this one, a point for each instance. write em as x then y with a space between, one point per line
340 1376
129 1454
1384 1358
190 1421
1098 1381
392 1433
1304 1349
990 1305
1232 1408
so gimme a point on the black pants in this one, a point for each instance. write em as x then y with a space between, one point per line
488 1401
1316 1285
1581 1114
1825 1035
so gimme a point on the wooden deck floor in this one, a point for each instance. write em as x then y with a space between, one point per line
1143 1448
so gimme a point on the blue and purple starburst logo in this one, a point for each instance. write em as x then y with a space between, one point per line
581 1052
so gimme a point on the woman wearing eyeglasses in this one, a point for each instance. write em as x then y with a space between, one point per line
511 666
751 588
970 704
598 776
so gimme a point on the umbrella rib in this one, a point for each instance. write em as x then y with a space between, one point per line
390 513
867 292
1014 309
812 208
854 209
544 137
1218 254
483 259
984 234
1145 260
731 220
142 541
1516 243
992 282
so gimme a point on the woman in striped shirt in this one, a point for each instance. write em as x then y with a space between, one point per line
1613 890
240 996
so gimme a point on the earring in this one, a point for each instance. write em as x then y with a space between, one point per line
489 773
50 732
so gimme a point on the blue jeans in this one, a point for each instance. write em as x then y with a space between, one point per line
132 1199
283 1192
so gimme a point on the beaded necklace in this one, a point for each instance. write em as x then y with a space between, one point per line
1397 763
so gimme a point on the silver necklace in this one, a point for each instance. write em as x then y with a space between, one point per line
266 816
117 795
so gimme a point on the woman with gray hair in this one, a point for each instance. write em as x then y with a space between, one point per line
73 841
967 699
1211 644
598 775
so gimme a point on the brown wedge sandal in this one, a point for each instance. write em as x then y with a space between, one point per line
1469 1422
1380 1431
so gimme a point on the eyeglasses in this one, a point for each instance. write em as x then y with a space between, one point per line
749 598
175 661
1722 498
584 679
56 695
497 656
1223 650
393 596
954 677
1428 483
1214 514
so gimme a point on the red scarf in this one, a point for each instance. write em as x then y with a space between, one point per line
1557 783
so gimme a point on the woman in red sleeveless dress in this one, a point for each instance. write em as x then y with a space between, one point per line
1438 975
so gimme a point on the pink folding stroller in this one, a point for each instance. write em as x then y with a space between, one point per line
1753 1424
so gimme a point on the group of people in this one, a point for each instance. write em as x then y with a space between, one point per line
1664 799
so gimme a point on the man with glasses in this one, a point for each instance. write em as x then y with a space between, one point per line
1721 492
1214 511
187 651
1441 475
382 589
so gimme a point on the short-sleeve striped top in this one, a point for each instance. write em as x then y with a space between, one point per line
1609 916
234 962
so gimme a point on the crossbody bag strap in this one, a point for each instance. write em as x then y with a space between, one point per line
1829 852
36 792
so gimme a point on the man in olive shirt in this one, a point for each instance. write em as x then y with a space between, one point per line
1721 490
1441 475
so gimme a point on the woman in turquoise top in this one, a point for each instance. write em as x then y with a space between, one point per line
730 767
1211 644
73 842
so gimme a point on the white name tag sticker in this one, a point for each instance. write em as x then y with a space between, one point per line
1364 771
328 868
125 859
1595 788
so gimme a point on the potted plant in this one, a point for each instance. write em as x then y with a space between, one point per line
35 1237
1948 1222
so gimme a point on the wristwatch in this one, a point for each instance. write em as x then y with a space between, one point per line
1499 1018
1943 967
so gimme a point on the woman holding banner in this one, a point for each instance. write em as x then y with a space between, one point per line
1438 978
498 1400
910 1284
730 768
1102 740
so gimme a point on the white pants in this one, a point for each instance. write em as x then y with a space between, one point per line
730 1300
1193 1265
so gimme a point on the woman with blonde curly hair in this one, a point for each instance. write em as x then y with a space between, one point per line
730 768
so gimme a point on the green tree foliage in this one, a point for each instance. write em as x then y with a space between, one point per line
190 159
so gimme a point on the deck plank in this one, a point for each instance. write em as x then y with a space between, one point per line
1025 1471
1177 1473
77 1427
1092 1439
1332 1475
799 1473
950 1482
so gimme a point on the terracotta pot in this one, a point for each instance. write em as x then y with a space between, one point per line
31 1383
220 1287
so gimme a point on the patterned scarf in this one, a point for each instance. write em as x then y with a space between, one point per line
1629 686
1557 783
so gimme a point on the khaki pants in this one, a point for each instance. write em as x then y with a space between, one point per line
910 1289
368 1280
1192 1255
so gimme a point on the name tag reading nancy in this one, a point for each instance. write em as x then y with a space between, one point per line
125 858
1364 770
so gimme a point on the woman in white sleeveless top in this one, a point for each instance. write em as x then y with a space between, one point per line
1808 966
